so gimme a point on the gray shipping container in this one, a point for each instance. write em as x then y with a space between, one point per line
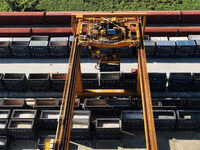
49 119
59 39
110 80
80 129
13 103
3 127
58 49
183 38
194 37
4 49
124 52
108 128
39 38
197 52
47 103
5 113
24 114
22 129
39 48
188 120
150 47
164 38
132 120
20 49
4 142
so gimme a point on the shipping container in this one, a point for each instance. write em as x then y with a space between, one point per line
185 31
41 140
22 129
15 82
185 48
156 104
15 32
22 18
190 16
94 103
71 38
130 80
194 103
81 115
39 49
161 31
183 38
119 103
110 80
3 127
5 114
58 18
188 120
20 49
4 49
164 38
109 67
80 129
58 81
193 37
173 103
1 83
165 49
180 82
24 114
47 103
132 120
197 52
39 82
49 119
124 52
157 82
90 80
58 49
6 39
53 32
196 82
164 120
63 39
108 128
150 47
80 125
158 17
4 142
13 103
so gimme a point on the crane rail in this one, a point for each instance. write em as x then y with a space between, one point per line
66 113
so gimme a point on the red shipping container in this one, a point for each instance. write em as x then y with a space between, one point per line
157 17
22 18
52 32
190 16
65 17
185 31
161 31
58 18
15 32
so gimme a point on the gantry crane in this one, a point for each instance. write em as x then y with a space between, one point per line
104 31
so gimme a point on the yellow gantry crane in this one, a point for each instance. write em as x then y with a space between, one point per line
104 31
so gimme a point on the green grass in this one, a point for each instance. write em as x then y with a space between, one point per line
102 5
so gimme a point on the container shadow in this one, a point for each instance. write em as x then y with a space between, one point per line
86 60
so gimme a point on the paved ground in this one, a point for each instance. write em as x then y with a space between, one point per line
61 65
136 141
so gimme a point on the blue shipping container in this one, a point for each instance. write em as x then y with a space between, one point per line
185 48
